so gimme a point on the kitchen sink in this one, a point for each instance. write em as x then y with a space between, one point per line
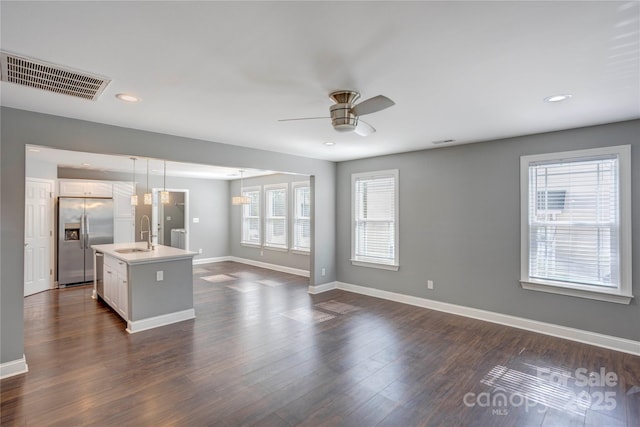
131 250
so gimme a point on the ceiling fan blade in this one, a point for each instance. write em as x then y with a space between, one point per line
303 118
372 105
364 128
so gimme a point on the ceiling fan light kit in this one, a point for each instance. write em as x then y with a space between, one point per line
345 116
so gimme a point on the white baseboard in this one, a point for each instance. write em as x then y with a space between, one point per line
275 267
579 335
324 287
162 320
210 260
15 367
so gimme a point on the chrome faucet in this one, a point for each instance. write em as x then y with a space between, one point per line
148 231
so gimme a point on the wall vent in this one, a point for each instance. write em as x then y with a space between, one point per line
53 78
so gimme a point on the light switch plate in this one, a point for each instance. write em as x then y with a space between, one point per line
196 219
159 276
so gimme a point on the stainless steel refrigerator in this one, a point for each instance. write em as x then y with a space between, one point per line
82 222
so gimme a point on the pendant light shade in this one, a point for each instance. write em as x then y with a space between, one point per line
241 199
164 194
148 198
134 196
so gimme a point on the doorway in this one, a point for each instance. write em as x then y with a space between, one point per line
170 221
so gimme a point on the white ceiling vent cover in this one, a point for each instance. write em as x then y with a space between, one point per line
53 78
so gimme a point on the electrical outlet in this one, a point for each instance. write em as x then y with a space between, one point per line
430 284
196 220
323 271
159 276
200 250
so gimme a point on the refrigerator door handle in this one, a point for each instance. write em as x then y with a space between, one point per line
86 241
82 230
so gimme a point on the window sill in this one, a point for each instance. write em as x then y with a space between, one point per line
275 248
359 263
300 252
250 245
576 291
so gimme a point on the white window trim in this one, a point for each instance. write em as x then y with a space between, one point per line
292 215
264 217
242 241
622 294
361 262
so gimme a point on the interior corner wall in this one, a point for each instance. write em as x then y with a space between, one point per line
271 256
208 201
460 227
19 128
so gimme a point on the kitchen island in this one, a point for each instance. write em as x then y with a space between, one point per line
147 288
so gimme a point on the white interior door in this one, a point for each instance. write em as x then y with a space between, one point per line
38 235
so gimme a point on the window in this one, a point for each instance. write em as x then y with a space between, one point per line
251 217
275 226
301 216
576 224
374 231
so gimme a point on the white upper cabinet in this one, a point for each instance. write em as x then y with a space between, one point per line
84 188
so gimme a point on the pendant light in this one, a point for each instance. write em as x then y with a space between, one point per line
241 199
164 194
148 197
134 196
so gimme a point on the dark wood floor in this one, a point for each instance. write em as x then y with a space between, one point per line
264 352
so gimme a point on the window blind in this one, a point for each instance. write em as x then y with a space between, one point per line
276 217
374 218
251 218
574 221
302 218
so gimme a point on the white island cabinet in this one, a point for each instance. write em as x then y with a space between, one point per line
147 288
116 289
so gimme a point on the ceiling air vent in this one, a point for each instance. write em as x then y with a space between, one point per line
53 78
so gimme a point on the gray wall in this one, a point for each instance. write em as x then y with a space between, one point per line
208 201
460 226
287 259
41 170
19 127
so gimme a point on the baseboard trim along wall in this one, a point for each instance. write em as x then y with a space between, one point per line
210 260
579 335
14 367
162 320
275 267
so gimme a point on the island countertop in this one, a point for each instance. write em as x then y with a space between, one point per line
159 254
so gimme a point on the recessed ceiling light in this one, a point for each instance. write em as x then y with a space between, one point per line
127 97
86 164
329 143
557 98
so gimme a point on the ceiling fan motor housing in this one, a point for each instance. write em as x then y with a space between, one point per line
342 119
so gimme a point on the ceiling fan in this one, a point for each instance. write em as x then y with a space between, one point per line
345 116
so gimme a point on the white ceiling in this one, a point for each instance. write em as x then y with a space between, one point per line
227 71
123 164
